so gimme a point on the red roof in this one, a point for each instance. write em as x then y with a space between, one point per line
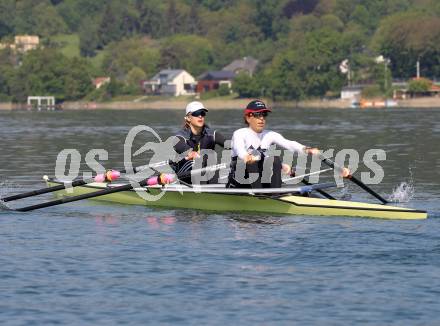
100 80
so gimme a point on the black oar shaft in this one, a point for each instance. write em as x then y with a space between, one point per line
80 197
322 192
43 191
331 164
368 189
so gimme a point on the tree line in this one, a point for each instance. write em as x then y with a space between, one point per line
300 44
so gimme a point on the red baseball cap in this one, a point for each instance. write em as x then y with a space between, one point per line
256 106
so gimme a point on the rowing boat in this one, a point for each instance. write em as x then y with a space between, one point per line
290 201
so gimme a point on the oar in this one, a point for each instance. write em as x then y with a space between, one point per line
333 165
108 191
322 192
80 197
47 190
306 175
177 178
73 184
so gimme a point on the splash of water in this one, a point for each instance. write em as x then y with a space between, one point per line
403 193
5 188
3 206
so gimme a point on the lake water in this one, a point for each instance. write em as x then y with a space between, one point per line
86 263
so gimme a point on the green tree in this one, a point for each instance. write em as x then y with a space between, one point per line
408 37
172 17
269 17
6 74
246 86
37 17
114 88
232 26
311 70
215 5
47 21
78 79
224 90
88 38
420 85
110 28
121 57
362 17
135 76
194 25
189 52
151 17
7 14
372 91
48 72
79 12
119 19
23 22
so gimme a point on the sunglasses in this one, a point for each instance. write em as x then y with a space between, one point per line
199 113
257 115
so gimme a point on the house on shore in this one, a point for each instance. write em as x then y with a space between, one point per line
246 64
402 91
352 92
212 80
171 82
22 43
100 81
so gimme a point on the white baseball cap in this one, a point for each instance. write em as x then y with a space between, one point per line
195 106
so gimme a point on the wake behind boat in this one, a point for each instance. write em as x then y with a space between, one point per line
290 201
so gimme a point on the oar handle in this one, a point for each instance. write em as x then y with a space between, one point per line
333 165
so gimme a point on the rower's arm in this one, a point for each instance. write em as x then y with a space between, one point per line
181 145
239 145
291 145
219 139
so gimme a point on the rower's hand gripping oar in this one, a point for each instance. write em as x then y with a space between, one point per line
108 176
333 165
164 178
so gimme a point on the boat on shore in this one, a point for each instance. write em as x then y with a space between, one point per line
364 104
289 201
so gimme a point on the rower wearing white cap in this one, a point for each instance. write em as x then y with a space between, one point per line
194 137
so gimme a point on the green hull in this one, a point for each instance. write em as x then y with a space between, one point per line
291 205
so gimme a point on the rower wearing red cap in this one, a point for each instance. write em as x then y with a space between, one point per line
249 146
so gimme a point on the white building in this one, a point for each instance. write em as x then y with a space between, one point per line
351 92
22 43
174 82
